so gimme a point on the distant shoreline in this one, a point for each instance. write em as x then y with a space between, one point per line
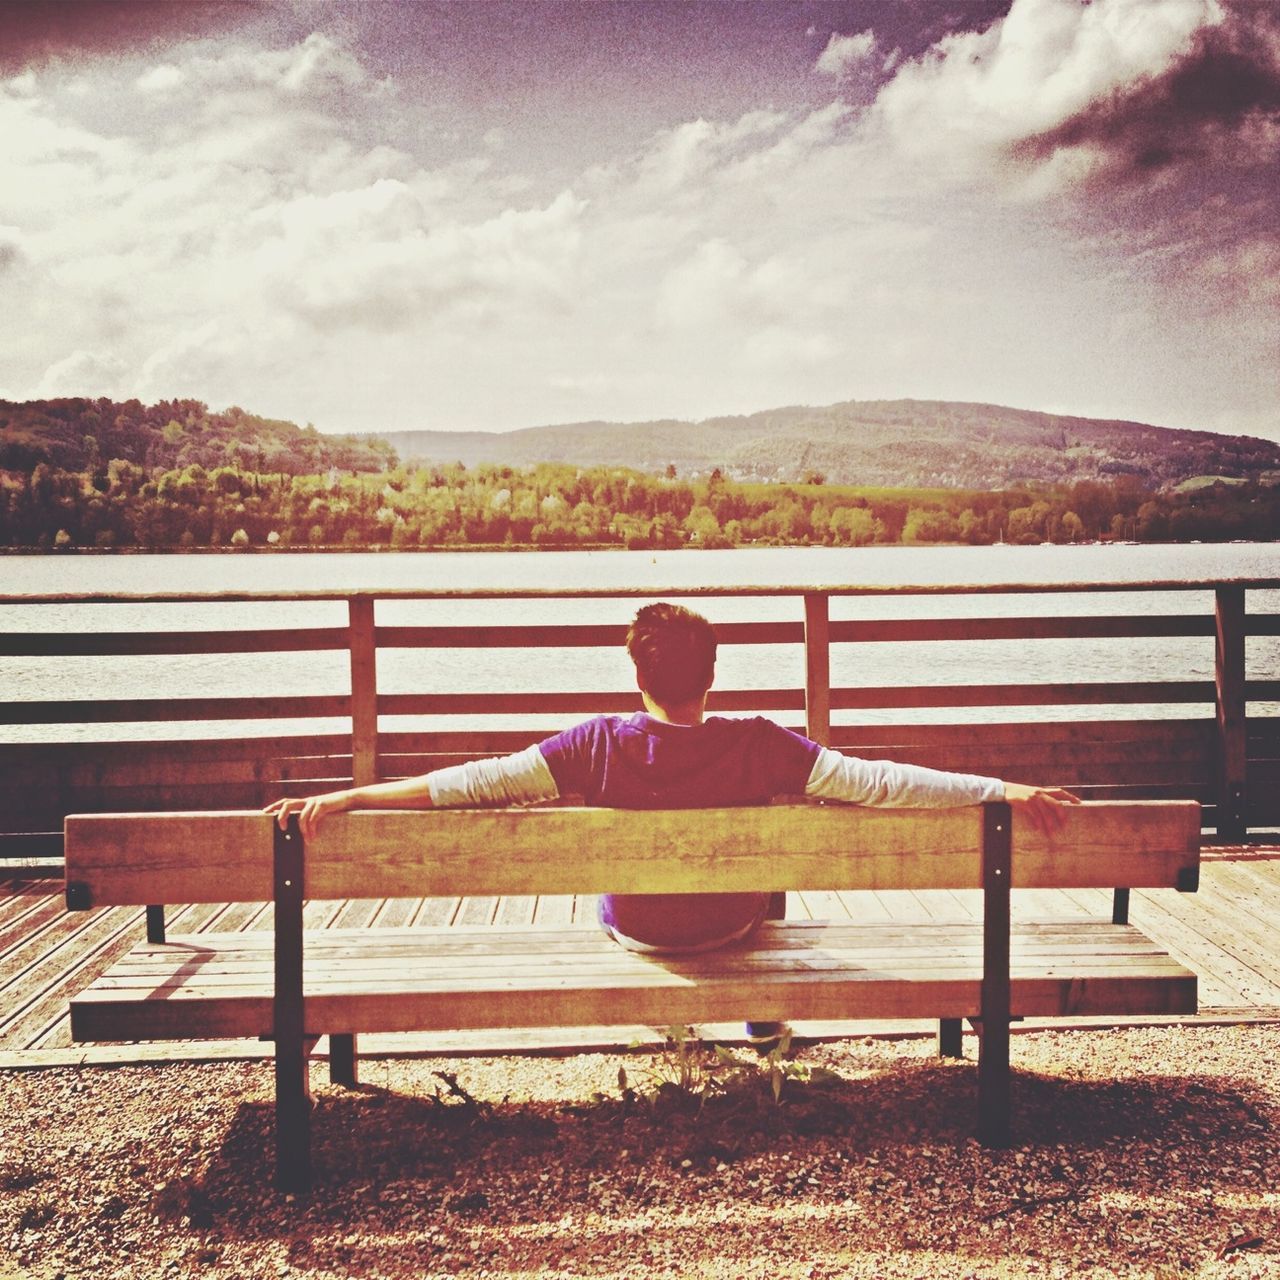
546 548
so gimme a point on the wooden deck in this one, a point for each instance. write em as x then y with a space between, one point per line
1228 933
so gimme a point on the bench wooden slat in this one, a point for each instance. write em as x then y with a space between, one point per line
128 859
420 979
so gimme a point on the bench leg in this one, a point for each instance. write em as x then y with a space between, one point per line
293 1115
342 1060
993 1083
993 1039
950 1038
293 1084
155 923
1120 907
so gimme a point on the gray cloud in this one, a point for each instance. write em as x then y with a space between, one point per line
11 254
1218 103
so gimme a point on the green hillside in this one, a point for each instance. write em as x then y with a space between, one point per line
77 434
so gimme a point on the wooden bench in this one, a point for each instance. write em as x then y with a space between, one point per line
341 982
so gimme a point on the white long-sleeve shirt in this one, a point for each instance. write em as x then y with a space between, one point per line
524 778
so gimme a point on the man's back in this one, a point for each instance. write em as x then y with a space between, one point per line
647 763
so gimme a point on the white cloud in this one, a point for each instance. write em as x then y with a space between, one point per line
85 373
12 251
975 95
23 85
846 56
679 158
161 79
316 67
778 347
374 259
717 284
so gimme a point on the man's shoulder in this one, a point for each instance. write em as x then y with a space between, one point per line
751 726
766 738
586 731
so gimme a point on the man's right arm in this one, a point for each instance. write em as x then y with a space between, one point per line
517 779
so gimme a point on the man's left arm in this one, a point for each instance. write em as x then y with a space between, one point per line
888 784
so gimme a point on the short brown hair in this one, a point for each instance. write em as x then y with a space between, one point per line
674 650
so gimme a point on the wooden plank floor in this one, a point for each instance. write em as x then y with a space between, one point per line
1228 933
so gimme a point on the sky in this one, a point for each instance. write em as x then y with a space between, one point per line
483 216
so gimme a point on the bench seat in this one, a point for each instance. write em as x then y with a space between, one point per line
379 980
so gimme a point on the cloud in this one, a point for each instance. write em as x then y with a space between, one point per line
717 283
11 248
681 157
1245 273
846 56
315 67
374 258
1217 100
162 79
85 373
1073 95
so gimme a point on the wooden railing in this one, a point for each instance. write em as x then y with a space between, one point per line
1228 761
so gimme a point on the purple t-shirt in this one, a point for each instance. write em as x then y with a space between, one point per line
643 763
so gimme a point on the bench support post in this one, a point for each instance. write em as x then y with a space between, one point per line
950 1038
293 1094
155 922
993 1044
343 1060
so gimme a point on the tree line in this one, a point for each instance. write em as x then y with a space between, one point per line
80 434
123 503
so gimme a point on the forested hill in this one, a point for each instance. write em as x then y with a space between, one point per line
891 443
914 444
77 434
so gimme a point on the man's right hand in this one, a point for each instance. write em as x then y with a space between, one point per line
1044 806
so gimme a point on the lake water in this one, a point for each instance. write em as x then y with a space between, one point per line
1041 573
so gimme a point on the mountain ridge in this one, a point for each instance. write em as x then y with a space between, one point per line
892 443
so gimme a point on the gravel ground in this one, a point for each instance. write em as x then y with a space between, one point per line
1145 1153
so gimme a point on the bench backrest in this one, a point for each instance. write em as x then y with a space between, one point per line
133 859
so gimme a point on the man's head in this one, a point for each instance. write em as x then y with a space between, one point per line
674 650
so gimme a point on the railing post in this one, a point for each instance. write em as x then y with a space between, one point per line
817 667
1229 613
364 690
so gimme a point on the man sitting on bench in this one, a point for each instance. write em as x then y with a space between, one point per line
672 756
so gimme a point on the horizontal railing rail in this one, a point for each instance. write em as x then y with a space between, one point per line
1222 757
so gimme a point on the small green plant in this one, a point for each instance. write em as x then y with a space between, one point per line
776 1066
681 1072
687 1069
